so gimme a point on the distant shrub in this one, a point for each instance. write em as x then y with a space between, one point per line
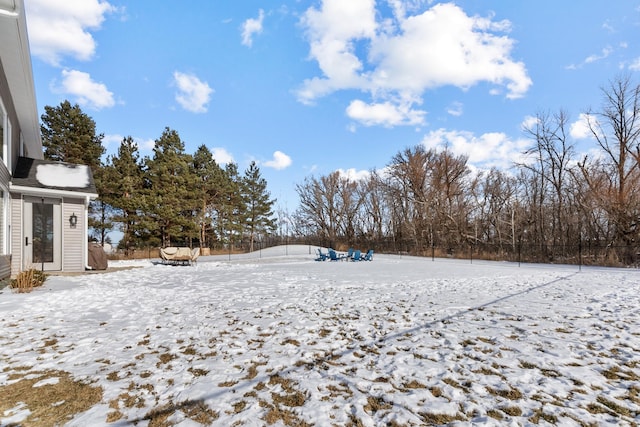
26 280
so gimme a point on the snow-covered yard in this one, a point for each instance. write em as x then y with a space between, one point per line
275 338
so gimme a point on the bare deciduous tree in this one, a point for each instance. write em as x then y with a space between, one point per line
615 179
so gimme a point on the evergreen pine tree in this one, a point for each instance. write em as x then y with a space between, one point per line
170 204
69 135
212 181
230 209
258 204
123 190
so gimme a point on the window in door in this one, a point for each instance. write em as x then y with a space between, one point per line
43 243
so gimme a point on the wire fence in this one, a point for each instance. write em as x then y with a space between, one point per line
580 253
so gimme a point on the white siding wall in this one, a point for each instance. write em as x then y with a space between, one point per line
17 238
74 245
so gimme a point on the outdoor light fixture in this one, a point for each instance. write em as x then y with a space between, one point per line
73 220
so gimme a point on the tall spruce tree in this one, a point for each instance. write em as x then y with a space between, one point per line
69 135
212 182
258 204
171 206
123 190
230 210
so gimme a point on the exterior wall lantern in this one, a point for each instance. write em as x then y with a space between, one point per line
73 220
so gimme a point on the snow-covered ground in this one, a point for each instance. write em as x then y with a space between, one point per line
275 338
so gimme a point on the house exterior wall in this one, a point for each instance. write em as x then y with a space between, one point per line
18 102
17 239
15 132
20 125
6 217
74 241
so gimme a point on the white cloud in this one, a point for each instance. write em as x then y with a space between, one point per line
193 94
635 65
580 128
145 144
455 109
484 151
112 140
443 46
385 114
332 32
86 92
401 58
250 27
59 28
354 175
280 161
604 53
112 143
529 122
221 156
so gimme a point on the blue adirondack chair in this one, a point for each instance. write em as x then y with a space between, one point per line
368 256
333 255
321 255
357 255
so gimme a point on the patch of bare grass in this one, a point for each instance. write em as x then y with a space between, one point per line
199 412
341 389
252 371
527 365
616 373
165 358
431 418
375 404
291 341
539 414
189 351
454 383
413 384
52 397
227 383
613 406
195 410
197 372
286 416
292 397
496 415
513 411
296 398
511 393
436 391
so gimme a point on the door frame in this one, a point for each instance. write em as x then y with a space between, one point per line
27 254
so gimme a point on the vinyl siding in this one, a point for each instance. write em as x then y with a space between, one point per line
73 244
16 233
5 266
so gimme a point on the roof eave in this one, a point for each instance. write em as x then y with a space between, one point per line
19 73
51 192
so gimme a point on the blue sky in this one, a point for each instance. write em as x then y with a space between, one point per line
305 88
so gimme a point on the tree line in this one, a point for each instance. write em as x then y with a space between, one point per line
557 201
170 198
